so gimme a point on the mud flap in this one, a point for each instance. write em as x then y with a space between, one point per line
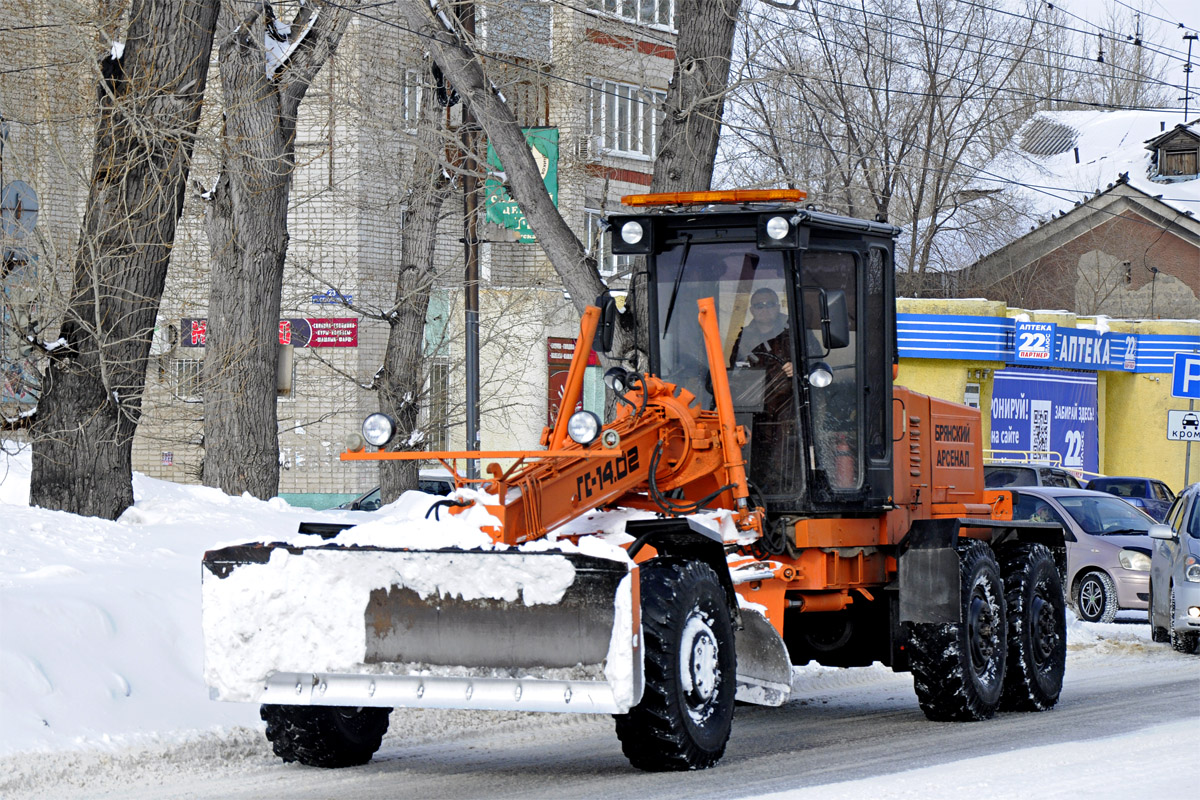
764 670
370 626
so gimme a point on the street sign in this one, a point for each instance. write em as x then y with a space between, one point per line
1183 426
1185 378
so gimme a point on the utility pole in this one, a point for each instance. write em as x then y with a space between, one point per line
1188 37
466 18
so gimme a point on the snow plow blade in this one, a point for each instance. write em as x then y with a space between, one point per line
764 670
373 626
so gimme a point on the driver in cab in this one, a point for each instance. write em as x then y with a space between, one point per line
764 343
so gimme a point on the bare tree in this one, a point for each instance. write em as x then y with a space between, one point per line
883 108
401 380
266 69
149 102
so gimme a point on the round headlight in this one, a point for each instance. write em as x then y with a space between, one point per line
632 232
1135 560
583 427
1191 570
777 228
378 429
821 375
617 380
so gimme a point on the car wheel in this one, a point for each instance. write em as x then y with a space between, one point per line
325 736
958 668
1037 628
686 712
1182 641
1096 598
1157 632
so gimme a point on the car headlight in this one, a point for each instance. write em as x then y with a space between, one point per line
583 427
1191 569
378 429
632 232
1135 560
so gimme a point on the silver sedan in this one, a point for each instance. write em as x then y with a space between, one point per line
1108 549
1175 575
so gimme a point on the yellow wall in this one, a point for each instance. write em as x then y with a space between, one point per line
1132 407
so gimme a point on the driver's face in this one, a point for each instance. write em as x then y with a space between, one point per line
764 309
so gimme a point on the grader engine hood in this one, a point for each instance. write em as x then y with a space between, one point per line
545 630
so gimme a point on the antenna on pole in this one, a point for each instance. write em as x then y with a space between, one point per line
1188 37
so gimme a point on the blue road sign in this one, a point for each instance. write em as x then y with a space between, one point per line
1185 378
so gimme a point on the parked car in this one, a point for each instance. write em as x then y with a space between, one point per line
1108 547
1150 495
431 481
1174 611
1002 476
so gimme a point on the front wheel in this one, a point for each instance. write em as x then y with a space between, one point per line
1157 632
958 668
686 712
1182 641
1037 629
325 736
1096 598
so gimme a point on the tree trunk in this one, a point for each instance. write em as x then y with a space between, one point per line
248 238
465 73
695 102
150 103
403 377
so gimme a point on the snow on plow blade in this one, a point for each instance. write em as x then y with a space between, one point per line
372 626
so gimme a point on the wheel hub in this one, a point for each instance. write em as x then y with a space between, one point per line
982 622
1091 598
1043 632
699 666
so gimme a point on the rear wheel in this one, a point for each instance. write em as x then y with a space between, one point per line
958 668
1096 598
686 712
1182 641
325 736
1037 629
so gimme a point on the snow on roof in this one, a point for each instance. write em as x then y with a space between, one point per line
1041 165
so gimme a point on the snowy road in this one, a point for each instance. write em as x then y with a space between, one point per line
860 729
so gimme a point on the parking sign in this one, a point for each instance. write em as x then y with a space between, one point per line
1185 378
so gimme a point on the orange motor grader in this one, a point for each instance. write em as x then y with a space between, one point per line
763 497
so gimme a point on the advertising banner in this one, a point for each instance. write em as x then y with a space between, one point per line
297 332
559 352
1046 412
501 209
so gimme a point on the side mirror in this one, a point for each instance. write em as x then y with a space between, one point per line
835 321
607 326
1162 532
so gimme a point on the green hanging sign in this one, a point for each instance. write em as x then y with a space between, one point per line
501 209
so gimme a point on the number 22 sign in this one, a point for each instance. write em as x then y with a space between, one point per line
1033 342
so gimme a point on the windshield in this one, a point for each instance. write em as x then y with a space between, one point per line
997 477
1100 516
758 312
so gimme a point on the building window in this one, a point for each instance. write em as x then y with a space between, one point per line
599 246
624 119
641 12
410 97
189 375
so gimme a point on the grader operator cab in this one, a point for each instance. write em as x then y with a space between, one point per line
763 497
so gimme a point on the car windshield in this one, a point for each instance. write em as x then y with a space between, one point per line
1193 527
1121 488
997 477
1101 516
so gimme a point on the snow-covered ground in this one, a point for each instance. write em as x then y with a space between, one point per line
100 639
